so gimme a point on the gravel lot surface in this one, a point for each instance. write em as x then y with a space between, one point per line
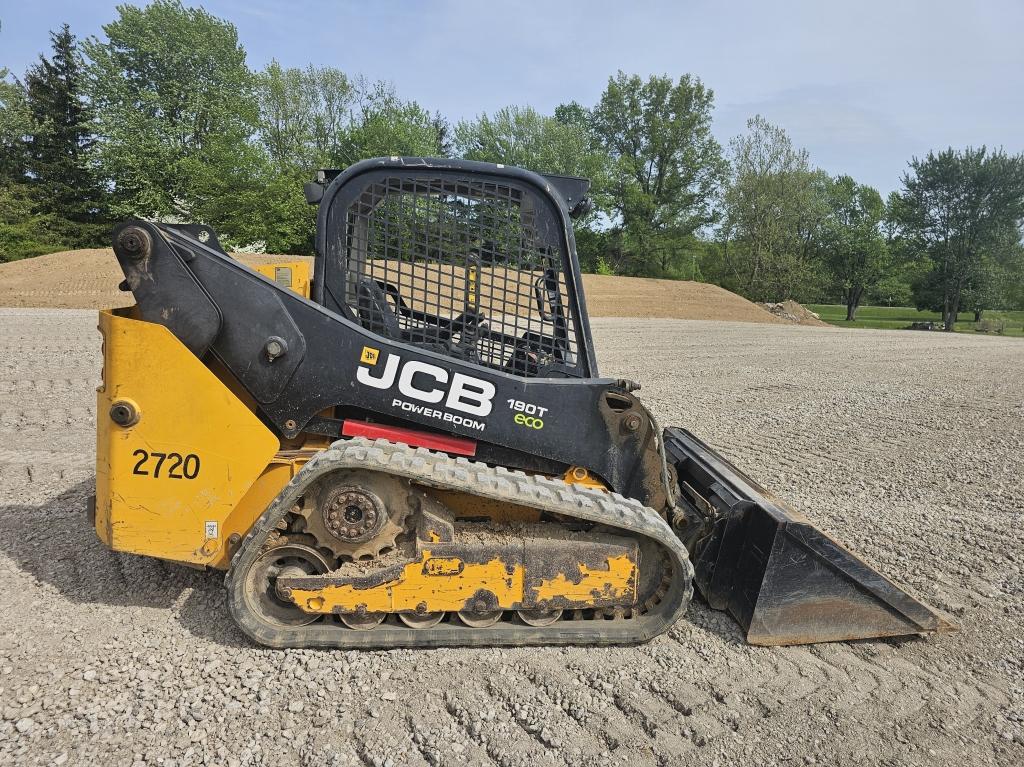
907 446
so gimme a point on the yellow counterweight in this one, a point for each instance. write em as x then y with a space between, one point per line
181 463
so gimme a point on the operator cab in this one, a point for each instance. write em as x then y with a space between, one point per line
470 260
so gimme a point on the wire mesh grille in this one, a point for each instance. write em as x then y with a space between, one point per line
462 267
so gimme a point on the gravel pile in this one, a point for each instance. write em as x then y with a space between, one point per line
792 311
908 447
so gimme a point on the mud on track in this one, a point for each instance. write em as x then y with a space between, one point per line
907 446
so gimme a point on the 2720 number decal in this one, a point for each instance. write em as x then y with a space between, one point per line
173 465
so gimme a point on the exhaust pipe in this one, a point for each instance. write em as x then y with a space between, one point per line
784 580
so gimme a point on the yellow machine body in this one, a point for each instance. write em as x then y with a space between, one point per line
192 466
195 466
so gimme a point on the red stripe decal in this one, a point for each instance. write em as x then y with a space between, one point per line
412 437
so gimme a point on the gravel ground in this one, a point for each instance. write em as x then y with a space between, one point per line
908 446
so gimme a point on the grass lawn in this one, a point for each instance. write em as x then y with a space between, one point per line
898 317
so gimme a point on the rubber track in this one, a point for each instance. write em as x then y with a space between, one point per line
441 471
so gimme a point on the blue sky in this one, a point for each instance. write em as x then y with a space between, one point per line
862 85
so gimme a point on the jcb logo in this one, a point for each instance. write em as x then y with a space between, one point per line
428 383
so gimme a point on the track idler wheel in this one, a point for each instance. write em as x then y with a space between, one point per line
261 588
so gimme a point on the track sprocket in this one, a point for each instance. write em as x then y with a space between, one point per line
357 515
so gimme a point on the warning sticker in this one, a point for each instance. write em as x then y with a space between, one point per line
369 355
212 530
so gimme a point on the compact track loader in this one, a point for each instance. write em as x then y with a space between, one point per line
414 448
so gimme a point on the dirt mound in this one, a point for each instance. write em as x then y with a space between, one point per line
76 279
670 299
88 279
84 279
791 311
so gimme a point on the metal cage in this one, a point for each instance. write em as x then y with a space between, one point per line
474 268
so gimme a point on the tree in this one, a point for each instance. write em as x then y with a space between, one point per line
562 144
982 290
998 276
523 137
1011 285
23 232
775 207
665 167
854 246
963 209
577 115
318 118
15 128
304 115
59 162
175 111
383 125
304 118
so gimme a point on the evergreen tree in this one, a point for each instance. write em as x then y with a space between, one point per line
23 231
15 126
59 149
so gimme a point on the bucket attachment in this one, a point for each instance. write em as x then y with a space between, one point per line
780 577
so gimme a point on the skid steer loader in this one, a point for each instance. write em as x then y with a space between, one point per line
413 447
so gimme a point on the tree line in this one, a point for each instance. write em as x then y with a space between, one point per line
163 118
